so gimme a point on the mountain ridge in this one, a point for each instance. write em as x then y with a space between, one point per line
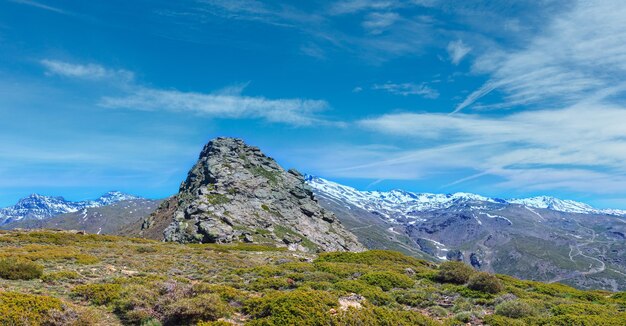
107 219
432 201
40 207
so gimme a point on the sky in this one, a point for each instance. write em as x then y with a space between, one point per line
501 98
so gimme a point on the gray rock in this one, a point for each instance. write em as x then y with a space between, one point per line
234 190
455 255
475 260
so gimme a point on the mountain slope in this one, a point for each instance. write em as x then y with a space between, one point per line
235 193
38 207
586 250
107 219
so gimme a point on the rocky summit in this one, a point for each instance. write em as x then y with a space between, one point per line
235 193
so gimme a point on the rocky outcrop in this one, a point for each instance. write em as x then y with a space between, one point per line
235 193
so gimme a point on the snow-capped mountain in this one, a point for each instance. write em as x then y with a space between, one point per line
540 238
393 203
112 197
555 204
40 207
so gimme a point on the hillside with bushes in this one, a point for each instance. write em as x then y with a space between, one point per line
70 278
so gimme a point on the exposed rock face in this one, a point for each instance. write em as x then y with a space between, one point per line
235 193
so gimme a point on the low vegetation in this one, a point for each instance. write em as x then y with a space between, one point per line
19 269
63 278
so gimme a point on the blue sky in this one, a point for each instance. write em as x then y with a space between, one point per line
498 98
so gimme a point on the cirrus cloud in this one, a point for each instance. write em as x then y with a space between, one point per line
85 71
545 149
225 103
580 54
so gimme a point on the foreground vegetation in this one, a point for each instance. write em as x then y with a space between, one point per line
64 278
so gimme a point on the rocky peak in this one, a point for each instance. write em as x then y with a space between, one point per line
236 193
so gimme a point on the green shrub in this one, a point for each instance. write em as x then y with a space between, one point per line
372 315
19 269
620 296
136 302
372 293
214 323
25 309
497 320
342 270
564 291
299 307
98 294
86 259
454 272
320 277
217 199
438 311
298 267
582 320
469 293
317 285
204 307
61 275
275 283
146 249
373 257
461 304
414 298
485 282
388 280
464 316
227 293
515 309
582 309
264 271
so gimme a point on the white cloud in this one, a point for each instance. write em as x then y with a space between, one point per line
580 54
353 6
85 71
376 22
406 89
221 105
389 35
227 102
579 148
457 50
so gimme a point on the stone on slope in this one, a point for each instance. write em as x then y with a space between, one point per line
235 193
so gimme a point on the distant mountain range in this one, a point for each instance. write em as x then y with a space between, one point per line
391 203
541 238
107 219
38 207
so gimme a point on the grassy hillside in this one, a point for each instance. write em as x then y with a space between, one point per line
63 278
